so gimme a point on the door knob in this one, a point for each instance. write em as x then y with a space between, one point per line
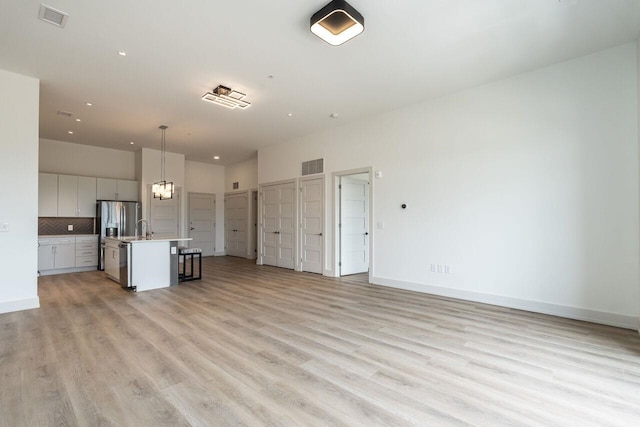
192 228
366 234
319 234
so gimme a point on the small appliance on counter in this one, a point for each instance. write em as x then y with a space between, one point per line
115 219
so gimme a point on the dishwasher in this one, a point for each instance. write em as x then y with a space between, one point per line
117 261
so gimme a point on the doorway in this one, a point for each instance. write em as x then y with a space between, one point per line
278 225
202 214
236 217
353 219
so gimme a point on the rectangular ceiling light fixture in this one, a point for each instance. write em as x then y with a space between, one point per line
52 16
226 97
337 22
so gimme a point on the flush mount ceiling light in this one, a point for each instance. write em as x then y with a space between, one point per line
162 189
226 97
337 22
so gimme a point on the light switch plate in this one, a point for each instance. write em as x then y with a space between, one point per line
173 250
378 174
70 227
380 225
4 227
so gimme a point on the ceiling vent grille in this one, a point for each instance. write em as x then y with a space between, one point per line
312 166
65 113
52 16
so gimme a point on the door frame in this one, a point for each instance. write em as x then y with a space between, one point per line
324 219
336 218
296 255
215 206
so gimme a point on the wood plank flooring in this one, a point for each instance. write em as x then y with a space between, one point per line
261 346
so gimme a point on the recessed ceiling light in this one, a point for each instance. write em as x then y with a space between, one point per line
334 115
131 142
270 76
88 104
122 53
290 114
216 157
78 120
70 132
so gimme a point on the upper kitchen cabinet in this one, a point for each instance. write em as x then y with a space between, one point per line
117 189
76 196
47 194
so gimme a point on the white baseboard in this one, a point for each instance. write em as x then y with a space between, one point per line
223 253
18 305
602 317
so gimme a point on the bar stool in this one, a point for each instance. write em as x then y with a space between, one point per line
188 254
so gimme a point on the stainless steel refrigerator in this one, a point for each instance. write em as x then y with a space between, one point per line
115 219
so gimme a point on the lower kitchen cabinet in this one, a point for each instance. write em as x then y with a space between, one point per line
58 255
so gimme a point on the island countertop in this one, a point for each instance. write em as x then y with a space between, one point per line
133 239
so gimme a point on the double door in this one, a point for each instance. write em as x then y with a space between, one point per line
236 217
278 224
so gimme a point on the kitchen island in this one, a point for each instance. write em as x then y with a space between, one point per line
142 264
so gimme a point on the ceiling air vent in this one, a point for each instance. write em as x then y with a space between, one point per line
64 113
52 16
312 166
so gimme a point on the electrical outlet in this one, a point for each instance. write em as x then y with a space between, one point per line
70 227
4 227
380 225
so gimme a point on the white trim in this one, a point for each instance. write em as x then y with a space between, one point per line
601 317
222 253
335 250
259 256
18 305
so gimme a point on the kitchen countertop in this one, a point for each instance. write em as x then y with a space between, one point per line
50 236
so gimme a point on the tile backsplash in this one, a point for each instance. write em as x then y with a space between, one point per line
48 226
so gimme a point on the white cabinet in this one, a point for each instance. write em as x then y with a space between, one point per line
56 253
86 197
47 194
67 195
117 189
127 190
87 251
74 196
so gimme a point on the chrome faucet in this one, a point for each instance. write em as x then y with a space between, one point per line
148 228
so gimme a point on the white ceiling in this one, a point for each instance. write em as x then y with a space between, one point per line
410 51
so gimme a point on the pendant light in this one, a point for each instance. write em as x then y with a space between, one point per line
162 189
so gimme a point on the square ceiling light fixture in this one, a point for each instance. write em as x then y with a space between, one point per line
337 22
226 97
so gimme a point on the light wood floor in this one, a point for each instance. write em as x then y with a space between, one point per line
259 346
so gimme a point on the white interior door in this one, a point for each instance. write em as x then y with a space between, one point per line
278 225
312 224
270 208
354 224
236 223
164 216
286 221
202 214
230 235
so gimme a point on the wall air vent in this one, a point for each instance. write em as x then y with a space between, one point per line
64 113
52 16
236 185
312 166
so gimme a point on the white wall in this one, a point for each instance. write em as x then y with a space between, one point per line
85 160
208 178
150 172
527 188
19 105
244 173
